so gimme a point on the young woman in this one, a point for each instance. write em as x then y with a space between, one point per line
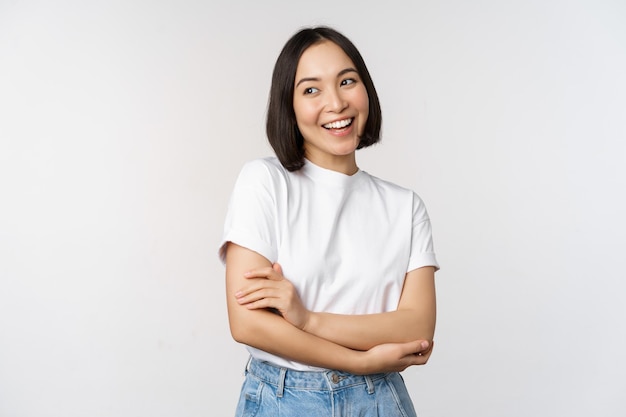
329 270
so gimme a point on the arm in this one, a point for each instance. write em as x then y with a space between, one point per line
270 332
413 319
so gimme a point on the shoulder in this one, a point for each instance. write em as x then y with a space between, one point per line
389 187
399 193
261 170
268 165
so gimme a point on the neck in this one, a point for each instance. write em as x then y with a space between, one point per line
343 164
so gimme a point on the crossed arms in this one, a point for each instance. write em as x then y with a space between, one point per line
359 344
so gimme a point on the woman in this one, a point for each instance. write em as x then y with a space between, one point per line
329 270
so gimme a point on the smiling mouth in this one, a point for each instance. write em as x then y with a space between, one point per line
340 124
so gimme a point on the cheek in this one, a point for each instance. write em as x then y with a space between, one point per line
305 113
364 107
362 102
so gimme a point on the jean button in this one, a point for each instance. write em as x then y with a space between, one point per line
334 378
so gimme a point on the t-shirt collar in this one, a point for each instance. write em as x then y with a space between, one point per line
328 176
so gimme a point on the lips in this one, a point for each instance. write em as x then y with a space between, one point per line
339 124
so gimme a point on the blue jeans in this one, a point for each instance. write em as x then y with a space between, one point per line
271 391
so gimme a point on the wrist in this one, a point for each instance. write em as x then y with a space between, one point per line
310 323
357 363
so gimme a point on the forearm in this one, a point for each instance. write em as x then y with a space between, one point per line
271 333
257 327
362 332
413 319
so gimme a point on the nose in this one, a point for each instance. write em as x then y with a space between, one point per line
335 101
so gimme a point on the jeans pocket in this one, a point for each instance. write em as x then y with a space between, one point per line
250 397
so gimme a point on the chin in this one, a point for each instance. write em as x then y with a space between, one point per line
345 150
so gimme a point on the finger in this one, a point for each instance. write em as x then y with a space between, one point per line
259 273
256 284
421 357
418 360
265 303
267 273
257 295
259 304
415 347
277 272
426 349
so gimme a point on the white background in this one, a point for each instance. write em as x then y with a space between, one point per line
123 125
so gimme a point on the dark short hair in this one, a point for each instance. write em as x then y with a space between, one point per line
281 127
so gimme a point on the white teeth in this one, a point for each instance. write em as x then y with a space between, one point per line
339 124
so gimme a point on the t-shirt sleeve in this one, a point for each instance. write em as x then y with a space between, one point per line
250 218
422 248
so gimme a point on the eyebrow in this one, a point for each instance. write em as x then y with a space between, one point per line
342 72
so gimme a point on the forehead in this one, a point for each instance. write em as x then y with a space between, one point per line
323 58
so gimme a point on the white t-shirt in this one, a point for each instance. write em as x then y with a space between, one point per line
345 242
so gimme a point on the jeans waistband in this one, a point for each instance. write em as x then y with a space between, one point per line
309 380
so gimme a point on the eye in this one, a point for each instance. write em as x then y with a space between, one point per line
348 81
310 90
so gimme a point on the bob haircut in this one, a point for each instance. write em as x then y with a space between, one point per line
282 128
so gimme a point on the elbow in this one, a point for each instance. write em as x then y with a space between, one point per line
246 328
239 322
429 332
251 327
239 332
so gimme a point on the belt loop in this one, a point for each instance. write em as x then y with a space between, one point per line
370 384
247 366
281 382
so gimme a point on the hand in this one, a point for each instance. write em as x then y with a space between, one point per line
268 288
395 357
